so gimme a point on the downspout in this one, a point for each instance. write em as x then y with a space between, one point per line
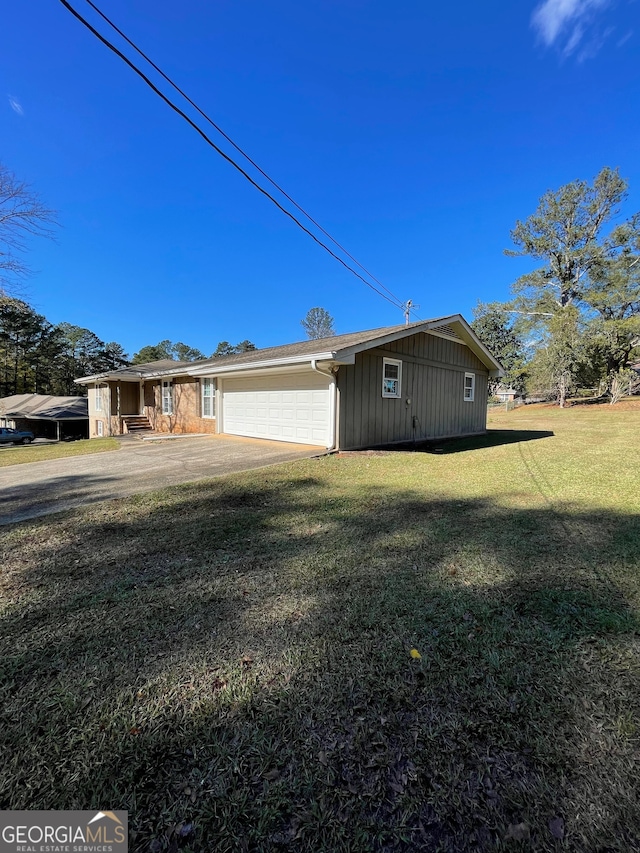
333 406
108 408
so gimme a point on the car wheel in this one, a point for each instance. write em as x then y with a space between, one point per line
26 441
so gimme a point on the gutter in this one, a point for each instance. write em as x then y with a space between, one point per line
333 403
210 368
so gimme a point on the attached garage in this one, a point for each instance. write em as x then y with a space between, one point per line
285 407
415 382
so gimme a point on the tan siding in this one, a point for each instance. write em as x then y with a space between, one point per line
433 371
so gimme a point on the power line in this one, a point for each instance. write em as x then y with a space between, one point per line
234 144
394 300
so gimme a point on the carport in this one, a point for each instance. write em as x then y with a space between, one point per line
46 416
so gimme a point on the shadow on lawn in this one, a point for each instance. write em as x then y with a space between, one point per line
29 500
492 438
239 660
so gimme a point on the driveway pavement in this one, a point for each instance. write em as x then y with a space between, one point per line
39 488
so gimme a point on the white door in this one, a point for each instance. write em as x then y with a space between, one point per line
283 407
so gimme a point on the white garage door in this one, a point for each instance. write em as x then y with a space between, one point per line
286 408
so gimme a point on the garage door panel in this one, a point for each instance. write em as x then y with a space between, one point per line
288 408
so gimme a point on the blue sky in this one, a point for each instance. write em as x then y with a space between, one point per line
416 133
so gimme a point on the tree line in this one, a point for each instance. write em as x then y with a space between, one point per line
39 357
574 321
183 352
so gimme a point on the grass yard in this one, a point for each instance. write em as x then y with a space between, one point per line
44 452
232 661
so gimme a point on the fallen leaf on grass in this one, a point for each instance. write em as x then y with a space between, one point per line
518 831
135 730
272 775
415 654
556 828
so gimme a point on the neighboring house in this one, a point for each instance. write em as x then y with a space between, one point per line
505 394
46 416
400 383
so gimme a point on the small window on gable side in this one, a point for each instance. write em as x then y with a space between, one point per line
208 397
100 428
391 377
469 387
98 398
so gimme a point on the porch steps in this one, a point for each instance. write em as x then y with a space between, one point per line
136 424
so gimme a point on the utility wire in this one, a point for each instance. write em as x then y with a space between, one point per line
394 301
235 145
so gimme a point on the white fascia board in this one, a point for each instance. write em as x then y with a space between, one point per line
406 332
134 376
476 346
88 380
464 330
280 364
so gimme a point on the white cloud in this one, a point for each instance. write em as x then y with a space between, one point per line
565 21
574 39
15 105
625 38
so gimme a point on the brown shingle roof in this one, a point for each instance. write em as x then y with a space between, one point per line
44 407
333 344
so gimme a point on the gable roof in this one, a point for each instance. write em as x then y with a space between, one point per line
44 407
337 348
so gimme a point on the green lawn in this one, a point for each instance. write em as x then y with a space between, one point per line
231 661
44 452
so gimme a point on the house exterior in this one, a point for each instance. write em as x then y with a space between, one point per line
400 383
46 416
505 394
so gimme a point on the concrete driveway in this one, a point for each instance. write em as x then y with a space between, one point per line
39 488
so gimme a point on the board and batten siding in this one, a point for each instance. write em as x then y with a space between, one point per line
433 371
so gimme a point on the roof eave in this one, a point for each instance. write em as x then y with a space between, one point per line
212 370
476 346
465 332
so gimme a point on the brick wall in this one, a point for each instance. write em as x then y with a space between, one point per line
186 408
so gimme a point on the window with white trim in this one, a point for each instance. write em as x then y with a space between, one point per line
167 397
469 387
391 377
98 398
208 397
100 426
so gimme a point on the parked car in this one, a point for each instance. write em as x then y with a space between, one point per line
15 436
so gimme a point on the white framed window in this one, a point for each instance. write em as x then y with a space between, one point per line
469 387
391 377
167 397
208 397
100 426
98 398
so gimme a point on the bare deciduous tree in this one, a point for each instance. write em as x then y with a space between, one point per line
22 215
318 323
